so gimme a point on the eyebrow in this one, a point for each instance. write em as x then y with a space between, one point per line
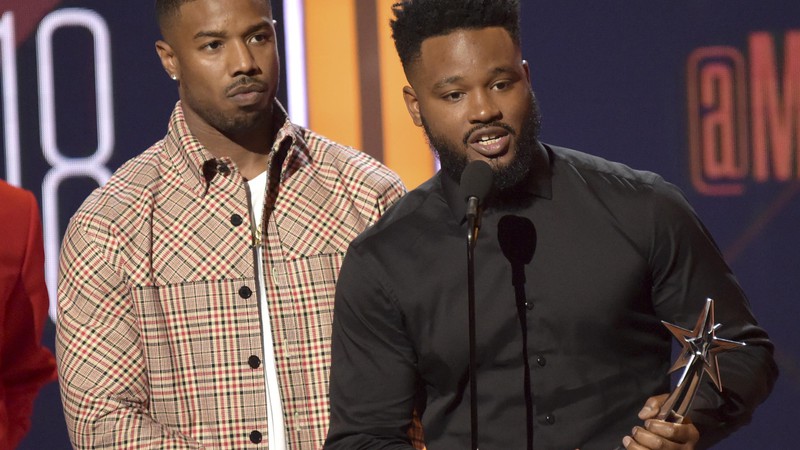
449 80
456 78
502 70
222 34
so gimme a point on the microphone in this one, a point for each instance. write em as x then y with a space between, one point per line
476 182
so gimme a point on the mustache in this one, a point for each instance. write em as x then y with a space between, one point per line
476 128
245 80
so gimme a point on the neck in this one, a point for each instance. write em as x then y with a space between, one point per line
248 149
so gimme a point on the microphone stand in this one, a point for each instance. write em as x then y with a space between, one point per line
476 182
472 236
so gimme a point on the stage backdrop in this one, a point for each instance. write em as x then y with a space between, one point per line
705 93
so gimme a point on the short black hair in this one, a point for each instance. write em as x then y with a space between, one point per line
166 10
417 20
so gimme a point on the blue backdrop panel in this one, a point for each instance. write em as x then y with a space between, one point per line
614 78
628 80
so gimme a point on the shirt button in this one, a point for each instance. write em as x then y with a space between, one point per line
541 361
529 305
255 437
245 292
550 419
254 361
236 220
223 169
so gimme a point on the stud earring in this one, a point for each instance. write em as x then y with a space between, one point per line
174 77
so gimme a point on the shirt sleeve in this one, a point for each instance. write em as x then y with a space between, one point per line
26 364
687 269
371 187
393 192
373 375
104 386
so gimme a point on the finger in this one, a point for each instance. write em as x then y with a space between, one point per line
641 440
630 444
652 406
644 439
681 433
663 429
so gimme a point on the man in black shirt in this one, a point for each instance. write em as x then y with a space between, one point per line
578 261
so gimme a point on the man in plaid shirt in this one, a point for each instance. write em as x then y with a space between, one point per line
196 286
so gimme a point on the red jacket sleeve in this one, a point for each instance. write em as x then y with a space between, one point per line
25 364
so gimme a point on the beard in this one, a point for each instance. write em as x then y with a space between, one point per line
244 120
453 156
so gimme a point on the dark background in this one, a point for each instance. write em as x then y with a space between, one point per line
611 79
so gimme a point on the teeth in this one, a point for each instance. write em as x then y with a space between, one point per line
489 140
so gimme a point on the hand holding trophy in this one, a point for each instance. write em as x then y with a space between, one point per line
698 356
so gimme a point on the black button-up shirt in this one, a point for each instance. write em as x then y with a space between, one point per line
573 276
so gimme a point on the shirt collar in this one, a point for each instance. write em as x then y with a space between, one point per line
198 166
538 183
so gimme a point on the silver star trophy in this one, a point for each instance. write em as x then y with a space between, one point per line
698 356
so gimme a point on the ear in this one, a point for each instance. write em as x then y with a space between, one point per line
168 59
527 70
412 104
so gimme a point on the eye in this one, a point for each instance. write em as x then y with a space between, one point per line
453 96
259 38
213 45
501 85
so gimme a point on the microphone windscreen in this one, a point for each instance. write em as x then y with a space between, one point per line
476 180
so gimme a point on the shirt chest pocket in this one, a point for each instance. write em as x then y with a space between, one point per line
304 290
305 314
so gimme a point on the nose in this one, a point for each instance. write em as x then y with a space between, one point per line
242 60
484 108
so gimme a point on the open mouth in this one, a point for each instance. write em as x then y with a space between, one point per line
490 142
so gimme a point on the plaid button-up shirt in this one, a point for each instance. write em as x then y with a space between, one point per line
158 309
